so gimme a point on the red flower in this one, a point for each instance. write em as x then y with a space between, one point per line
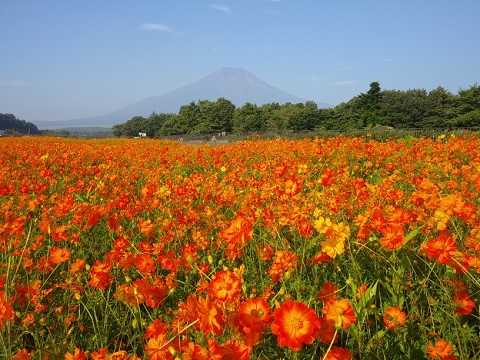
295 324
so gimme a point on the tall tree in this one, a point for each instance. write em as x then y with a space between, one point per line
248 118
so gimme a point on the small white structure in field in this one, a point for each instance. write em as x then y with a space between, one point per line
142 135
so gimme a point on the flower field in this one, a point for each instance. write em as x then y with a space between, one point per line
339 248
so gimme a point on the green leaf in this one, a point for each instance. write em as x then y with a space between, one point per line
412 234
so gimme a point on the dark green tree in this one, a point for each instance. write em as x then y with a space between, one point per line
10 122
248 118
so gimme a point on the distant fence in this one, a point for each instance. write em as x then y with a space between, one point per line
381 133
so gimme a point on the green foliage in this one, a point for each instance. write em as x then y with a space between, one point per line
399 109
10 122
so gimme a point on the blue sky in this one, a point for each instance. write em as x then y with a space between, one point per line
64 59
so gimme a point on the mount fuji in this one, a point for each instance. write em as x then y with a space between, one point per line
234 84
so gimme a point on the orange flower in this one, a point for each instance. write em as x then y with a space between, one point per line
333 246
439 248
236 236
77 355
393 237
393 318
464 304
22 355
239 231
157 349
328 292
338 353
58 255
210 315
77 266
224 286
327 332
361 291
292 186
101 354
119 355
254 314
441 349
100 275
283 261
145 264
305 229
6 311
340 312
234 350
295 324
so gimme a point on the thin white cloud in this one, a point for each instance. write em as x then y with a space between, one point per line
345 82
220 7
386 60
155 27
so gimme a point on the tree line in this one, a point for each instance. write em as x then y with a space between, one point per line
416 108
11 125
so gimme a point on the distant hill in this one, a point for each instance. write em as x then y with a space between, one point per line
10 122
234 84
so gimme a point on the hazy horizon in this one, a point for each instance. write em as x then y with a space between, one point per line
71 60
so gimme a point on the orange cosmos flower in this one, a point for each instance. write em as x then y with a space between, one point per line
328 292
254 314
292 186
77 266
6 311
22 355
327 332
340 312
393 318
147 228
393 237
100 275
361 291
305 229
295 324
239 231
58 255
77 355
145 264
441 349
283 261
157 349
439 248
333 246
224 286
101 354
210 315
234 350
338 353
236 236
464 304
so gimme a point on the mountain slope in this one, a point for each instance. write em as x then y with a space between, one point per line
234 84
